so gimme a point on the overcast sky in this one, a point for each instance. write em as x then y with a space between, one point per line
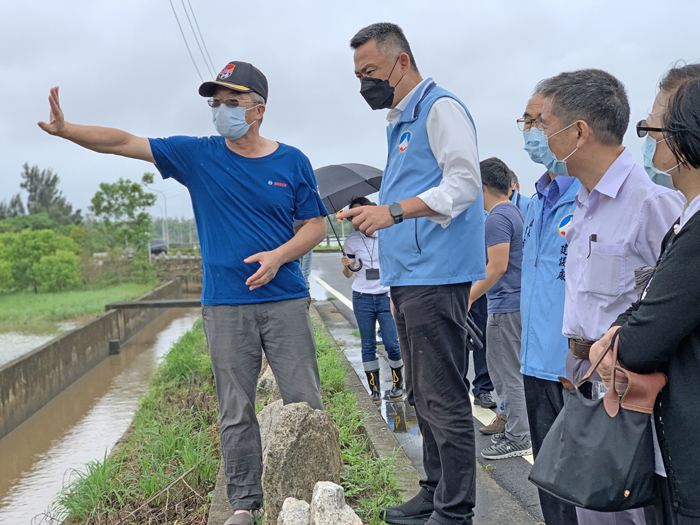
124 64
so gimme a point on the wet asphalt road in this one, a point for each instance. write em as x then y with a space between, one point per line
504 495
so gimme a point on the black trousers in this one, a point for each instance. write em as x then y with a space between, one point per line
482 380
431 323
544 401
663 513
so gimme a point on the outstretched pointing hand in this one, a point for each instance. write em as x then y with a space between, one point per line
57 123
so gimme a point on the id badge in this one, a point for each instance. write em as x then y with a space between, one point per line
372 274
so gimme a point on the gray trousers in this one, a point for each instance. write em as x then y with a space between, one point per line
235 335
503 360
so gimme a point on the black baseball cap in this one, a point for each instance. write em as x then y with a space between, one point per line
238 76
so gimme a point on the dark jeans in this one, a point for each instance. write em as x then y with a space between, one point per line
544 401
368 310
482 381
431 322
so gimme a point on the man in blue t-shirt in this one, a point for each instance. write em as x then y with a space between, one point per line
246 193
504 245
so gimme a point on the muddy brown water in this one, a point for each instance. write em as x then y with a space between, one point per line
82 423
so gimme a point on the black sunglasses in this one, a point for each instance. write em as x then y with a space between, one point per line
643 129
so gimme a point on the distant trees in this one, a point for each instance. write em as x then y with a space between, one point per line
121 208
44 197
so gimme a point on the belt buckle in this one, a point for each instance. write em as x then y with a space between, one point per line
572 347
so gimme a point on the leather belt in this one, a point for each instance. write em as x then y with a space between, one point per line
580 348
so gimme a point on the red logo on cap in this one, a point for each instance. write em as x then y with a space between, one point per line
226 72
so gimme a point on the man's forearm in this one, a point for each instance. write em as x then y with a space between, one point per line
481 287
309 235
96 138
414 208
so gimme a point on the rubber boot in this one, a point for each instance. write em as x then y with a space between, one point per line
373 381
396 392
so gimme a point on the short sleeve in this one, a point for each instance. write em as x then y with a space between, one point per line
307 203
349 246
498 229
174 157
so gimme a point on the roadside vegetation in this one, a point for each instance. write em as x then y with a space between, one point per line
166 470
39 313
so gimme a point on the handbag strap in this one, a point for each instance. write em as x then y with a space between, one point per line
595 366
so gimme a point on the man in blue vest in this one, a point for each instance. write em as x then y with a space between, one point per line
517 198
431 248
543 346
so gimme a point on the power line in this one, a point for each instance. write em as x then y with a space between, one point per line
195 37
201 37
185 39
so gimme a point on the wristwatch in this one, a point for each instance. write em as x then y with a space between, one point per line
396 212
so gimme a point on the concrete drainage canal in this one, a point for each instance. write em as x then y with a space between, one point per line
82 422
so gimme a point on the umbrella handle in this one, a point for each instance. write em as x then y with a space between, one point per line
354 270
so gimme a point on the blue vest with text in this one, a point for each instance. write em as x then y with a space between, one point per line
420 251
543 347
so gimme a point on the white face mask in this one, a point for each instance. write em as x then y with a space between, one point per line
662 178
230 122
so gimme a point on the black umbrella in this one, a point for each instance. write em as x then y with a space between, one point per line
339 184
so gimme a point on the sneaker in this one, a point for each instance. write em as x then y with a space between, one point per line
485 400
497 437
507 448
496 426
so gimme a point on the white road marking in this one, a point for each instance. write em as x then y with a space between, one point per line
335 293
483 415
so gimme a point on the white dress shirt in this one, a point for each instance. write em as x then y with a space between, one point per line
452 139
690 209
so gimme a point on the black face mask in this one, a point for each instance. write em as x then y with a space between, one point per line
379 94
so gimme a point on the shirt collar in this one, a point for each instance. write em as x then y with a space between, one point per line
689 210
394 115
542 184
612 180
617 174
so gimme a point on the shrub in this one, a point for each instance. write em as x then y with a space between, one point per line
59 272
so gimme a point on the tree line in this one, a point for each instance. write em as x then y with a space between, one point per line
47 246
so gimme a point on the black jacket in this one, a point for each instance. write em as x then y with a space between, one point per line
662 332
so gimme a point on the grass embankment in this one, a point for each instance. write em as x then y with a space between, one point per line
167 469
39 312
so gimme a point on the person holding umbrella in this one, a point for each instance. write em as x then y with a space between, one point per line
431 248
371 303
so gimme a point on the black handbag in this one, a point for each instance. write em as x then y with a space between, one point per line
599 453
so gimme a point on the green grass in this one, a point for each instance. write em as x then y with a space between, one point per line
174 439
175 435
29 311
369 482
324 248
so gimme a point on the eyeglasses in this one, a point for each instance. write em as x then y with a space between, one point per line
527 123
642 129
230 103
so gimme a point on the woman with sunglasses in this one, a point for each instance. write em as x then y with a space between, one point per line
371 303
661 332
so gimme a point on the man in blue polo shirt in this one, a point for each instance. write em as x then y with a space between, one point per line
246 193
431 248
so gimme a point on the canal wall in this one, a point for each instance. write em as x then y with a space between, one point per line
32 380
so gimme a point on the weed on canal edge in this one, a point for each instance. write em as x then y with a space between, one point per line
166 469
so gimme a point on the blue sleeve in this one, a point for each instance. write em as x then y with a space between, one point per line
307 203
174 157
498 229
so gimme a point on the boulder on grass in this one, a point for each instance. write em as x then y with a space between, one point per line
300 447
328 506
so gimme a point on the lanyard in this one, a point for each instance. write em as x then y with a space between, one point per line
371 254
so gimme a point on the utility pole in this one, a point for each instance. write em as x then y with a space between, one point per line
167 235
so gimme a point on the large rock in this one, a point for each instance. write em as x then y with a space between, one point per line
300 447
294 512
328 506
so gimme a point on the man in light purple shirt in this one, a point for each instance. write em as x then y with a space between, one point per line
619 222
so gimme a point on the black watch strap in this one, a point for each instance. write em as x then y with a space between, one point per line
396 212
